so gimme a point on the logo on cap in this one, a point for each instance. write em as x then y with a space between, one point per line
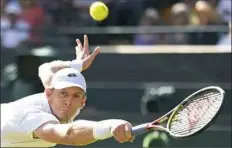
72 75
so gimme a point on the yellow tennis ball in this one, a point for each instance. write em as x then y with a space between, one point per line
98 11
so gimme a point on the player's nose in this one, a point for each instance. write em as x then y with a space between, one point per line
68 102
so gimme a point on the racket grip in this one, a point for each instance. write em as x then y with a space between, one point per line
139 129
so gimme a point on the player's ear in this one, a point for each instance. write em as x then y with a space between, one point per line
48 93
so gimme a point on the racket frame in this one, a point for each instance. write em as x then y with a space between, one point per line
175 110
146 127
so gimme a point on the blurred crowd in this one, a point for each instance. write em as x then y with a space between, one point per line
29 21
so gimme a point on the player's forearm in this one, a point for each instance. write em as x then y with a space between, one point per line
81 133
47 70
54 66
84 132
78 133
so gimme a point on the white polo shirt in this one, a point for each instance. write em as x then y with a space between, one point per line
21 118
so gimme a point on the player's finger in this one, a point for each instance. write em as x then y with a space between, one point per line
95 53
119 138
79 53
119 134
88 61
86 45
128 131
79 44
132 139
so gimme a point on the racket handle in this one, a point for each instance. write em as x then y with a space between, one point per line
139 129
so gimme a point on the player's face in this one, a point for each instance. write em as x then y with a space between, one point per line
65 102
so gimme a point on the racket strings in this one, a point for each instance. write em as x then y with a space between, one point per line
194 118
185 127
196 105
196 113
197 109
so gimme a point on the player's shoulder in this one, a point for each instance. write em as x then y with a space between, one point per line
35 101
32 99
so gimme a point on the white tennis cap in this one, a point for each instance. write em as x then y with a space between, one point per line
68 77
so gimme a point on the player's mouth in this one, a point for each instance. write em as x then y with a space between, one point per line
64 110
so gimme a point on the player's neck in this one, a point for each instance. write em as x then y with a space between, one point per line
63 122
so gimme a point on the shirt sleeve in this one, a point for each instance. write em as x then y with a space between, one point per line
34 119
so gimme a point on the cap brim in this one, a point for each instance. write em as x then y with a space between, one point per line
62 85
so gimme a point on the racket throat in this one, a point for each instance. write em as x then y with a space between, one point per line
158 127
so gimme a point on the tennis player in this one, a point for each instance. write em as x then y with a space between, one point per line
46 119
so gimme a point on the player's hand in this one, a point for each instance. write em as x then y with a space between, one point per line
82 53
122 133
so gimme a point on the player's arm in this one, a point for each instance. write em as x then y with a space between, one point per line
82 62
80 132
47 70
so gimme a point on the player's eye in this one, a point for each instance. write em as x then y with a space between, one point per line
63 93
79 96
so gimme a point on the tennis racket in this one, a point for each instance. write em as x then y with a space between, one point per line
192 116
